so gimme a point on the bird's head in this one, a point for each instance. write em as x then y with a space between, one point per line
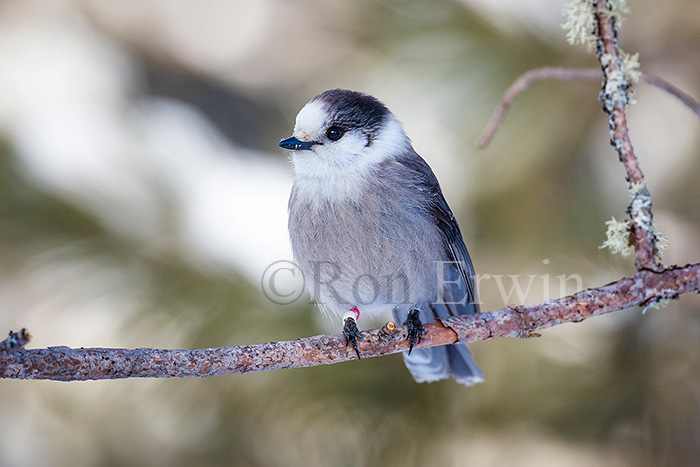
343 133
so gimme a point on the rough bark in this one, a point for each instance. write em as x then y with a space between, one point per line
66 364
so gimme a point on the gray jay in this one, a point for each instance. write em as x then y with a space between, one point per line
371 230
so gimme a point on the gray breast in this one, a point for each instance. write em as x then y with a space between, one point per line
374 252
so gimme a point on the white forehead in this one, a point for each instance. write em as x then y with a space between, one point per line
310 120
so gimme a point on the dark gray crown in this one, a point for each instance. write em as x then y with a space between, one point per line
350 109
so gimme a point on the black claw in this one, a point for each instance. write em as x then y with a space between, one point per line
352 335
415 328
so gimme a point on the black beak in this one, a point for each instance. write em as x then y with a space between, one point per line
294 144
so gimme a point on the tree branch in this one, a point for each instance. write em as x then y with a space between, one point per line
66 364
686 99
526 80
615 98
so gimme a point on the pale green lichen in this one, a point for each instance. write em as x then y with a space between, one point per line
605 59
631 72
580 24
630 66
616 9
661 243
615 89
618 237
640 206
636 188
657 305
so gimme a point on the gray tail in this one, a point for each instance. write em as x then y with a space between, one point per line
436 363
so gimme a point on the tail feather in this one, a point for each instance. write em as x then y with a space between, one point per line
462 365
436 363
428 365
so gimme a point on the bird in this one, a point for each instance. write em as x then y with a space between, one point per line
371 231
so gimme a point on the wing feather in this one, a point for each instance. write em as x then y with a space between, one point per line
460 275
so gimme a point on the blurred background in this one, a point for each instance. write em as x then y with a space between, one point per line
142 196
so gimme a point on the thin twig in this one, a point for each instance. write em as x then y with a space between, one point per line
66 364
664 85
524 82
568 74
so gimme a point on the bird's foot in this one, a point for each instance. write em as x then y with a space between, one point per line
350 331
415 328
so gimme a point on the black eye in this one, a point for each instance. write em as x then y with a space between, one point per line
334 133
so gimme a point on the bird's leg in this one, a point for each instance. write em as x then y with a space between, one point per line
350 331
415 328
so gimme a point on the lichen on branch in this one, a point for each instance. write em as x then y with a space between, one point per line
618 237
619 72
579 24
